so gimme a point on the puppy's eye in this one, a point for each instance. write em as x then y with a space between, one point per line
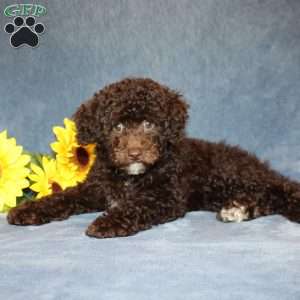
148 126
119 128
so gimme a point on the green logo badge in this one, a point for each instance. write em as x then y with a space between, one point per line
24 29
15 10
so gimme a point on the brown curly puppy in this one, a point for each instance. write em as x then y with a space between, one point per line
147 172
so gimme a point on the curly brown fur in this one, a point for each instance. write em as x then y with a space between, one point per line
178 174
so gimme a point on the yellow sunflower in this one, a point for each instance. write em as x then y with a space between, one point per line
69 154
49 178
13 172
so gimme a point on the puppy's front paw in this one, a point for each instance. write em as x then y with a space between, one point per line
105 228
26 214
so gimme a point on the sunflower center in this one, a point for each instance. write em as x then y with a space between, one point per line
82 156
55 187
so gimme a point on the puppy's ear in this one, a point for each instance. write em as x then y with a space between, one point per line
87 122
178 115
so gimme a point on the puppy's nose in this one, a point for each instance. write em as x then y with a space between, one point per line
134 152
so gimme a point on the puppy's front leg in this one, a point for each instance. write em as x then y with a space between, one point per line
58 206
133 216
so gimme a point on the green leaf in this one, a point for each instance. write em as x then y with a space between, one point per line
37 157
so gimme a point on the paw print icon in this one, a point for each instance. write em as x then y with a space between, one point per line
24 32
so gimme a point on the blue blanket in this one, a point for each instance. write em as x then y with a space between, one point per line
196 257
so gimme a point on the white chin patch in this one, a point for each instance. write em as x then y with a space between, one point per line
135 168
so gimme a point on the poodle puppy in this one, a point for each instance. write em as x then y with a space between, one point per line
147 171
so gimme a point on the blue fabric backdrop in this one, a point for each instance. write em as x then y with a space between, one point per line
195 258
238 64
236 61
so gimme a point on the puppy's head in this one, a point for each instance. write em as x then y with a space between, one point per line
134 120
134 146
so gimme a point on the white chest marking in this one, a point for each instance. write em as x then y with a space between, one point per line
135 168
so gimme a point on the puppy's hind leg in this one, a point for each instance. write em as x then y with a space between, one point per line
292 208
285 197
243 207
282 198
